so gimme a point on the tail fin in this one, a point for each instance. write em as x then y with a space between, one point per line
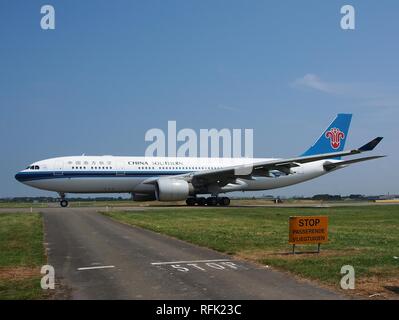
333 138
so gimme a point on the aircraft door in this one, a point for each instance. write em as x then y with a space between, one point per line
120 168
58 168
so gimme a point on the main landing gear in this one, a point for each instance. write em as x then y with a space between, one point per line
210 202
63 202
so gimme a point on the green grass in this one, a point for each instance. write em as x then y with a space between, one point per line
365 237
72 203
21 255
11 205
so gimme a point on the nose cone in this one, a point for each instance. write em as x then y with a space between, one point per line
19 176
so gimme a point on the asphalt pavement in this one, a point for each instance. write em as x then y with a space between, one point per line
99 258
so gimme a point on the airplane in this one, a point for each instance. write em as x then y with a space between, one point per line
180 178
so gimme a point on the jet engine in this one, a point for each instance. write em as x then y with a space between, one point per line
171 189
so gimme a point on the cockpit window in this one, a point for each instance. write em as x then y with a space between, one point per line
33 168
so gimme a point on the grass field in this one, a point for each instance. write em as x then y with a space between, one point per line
11 205
130 203
21 255
365 237
75 204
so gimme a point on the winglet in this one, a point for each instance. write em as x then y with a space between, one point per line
371 145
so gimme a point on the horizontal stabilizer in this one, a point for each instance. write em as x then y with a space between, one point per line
371 145
332 165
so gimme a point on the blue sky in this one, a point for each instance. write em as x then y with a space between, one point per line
111 70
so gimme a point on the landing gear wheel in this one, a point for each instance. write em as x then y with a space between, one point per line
212 201
224 201
201 201
64 203
190 201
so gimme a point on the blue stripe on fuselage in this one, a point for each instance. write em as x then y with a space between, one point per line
30 176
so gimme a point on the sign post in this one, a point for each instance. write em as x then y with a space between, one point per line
308 230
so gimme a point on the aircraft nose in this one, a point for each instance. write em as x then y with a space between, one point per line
18 176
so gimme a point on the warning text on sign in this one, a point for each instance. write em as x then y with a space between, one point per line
308 229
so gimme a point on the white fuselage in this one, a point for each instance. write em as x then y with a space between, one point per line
111 174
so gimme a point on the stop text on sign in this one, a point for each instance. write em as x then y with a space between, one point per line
308 229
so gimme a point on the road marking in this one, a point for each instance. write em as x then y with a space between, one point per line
202 265
97 267
186 262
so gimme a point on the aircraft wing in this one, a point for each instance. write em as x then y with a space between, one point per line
227 175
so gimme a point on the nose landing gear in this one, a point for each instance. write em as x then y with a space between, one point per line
63 202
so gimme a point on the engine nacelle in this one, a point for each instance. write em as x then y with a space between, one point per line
143 197
171 190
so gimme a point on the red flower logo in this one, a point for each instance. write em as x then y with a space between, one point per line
335 135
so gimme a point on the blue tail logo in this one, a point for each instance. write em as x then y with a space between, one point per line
333 138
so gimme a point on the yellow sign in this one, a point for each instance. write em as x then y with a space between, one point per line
308 229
